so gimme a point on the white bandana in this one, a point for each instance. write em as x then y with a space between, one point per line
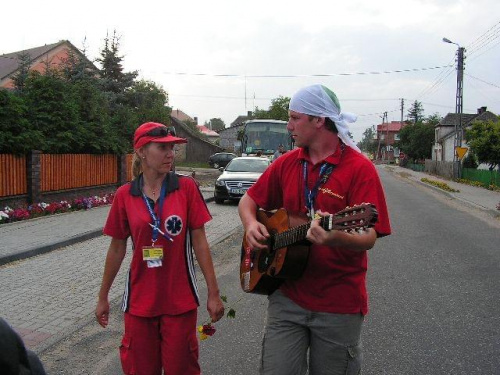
320 101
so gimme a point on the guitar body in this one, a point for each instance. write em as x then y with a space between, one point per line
263 271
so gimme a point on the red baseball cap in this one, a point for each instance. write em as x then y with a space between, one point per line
155 132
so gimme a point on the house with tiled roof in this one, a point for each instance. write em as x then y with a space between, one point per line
41 57
181 116
212 136
444 139
386 136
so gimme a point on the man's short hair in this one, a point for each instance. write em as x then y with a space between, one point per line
329 124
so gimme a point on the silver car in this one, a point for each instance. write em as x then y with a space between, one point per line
238 176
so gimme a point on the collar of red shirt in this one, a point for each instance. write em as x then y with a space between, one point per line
172 184
331 159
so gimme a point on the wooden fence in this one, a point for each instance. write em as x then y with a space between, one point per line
34 176
12 175
72 171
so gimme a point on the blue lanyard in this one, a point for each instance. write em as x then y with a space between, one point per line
310 195
156 219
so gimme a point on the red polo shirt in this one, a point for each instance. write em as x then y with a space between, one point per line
334 279
170 289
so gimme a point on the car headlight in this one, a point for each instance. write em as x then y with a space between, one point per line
220 183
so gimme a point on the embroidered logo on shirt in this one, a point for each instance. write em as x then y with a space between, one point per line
331 193
173 225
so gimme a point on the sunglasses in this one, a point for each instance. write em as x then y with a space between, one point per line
162 131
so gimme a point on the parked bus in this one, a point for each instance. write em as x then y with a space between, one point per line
265 136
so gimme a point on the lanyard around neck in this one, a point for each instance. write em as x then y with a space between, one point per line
310 195
156 218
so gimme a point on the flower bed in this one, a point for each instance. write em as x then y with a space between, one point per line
439 184
9 215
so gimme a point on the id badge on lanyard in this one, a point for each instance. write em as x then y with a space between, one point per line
153 255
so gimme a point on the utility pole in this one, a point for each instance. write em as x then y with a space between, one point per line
457 172
384 119
386 135
402 109
459 98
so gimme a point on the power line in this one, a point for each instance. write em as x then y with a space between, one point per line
493 46
306 75
438 81
483 38
480 80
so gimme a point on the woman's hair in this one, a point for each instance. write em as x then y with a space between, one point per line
136 165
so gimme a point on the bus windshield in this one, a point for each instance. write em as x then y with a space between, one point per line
265 136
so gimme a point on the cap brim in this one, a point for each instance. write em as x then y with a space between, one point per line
168 139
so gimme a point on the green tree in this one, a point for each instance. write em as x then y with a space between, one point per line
113 78
216 124
53 110
17 135
484 140
278 110
416 140
96 135
115 83
470 161
368 143
416 112
19 79
150 102
433 119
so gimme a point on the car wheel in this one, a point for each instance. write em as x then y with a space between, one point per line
219 201
216 165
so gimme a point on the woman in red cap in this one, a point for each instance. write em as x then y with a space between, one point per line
165 215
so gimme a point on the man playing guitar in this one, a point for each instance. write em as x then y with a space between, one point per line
321 312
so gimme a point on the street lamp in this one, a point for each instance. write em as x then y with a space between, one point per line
458 102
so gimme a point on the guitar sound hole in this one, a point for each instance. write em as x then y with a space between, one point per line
264 261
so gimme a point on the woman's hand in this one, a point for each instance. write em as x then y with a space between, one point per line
215 308
102 313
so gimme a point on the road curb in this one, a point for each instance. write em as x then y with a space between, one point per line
50 247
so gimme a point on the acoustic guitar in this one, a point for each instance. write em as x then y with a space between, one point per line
263 271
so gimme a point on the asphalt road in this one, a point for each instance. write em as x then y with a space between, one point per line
433 288
434 299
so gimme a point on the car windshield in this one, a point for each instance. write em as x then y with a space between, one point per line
258 165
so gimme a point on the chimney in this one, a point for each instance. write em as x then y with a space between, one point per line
249 113
196 120
481 110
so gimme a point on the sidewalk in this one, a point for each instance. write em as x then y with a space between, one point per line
24 239
472 196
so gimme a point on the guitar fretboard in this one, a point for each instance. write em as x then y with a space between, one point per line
297 234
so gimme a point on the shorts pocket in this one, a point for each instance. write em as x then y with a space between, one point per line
126 356
354 360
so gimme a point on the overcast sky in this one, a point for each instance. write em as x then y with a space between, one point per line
222 58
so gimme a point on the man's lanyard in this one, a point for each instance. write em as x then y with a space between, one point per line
310 195
156 219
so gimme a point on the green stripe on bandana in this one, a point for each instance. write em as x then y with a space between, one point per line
332 96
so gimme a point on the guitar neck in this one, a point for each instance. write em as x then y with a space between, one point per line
358 218
296 234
